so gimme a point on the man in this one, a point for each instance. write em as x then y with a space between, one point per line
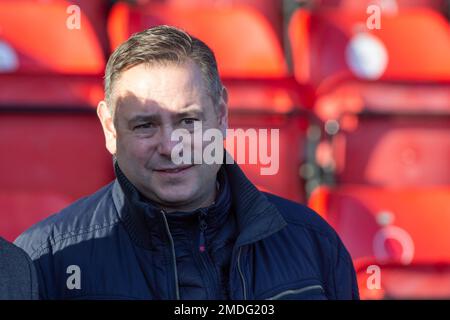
180 231
18 279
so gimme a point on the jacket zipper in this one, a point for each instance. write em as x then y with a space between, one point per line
203 254
172 246
203 226
297 291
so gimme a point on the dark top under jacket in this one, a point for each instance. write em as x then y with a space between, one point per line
115 244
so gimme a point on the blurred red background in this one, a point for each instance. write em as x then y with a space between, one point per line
362 104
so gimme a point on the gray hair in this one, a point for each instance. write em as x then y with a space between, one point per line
163 44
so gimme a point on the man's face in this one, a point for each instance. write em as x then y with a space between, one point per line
150 103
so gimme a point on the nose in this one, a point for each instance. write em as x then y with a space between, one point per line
166 145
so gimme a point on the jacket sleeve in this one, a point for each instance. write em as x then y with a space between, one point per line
345 283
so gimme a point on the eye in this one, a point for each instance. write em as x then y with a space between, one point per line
147 125
188 121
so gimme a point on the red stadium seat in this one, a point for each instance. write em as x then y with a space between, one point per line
391 129
35 37
272 10
49 159
394 150
397 281
226 30
390 225
400 235
97 13
44 63
322 52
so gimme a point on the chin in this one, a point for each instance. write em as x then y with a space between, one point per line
176 195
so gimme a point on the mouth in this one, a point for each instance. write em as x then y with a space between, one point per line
173 171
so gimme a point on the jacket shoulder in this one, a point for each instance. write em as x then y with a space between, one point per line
300 216
314 235
83 217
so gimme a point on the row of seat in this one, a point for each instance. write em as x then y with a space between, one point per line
309 33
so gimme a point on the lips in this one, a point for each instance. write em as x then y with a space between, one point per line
173 170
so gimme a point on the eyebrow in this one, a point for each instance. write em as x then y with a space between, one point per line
175 115
144 118
188 113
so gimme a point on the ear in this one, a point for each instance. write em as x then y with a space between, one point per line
223 111
106 119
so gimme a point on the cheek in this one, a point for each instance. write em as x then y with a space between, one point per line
135 149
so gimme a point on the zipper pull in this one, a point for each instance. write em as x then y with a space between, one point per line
203 226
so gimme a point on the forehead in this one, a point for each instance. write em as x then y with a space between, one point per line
166 86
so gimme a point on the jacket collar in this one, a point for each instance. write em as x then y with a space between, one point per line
214 216
256 217
132 209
